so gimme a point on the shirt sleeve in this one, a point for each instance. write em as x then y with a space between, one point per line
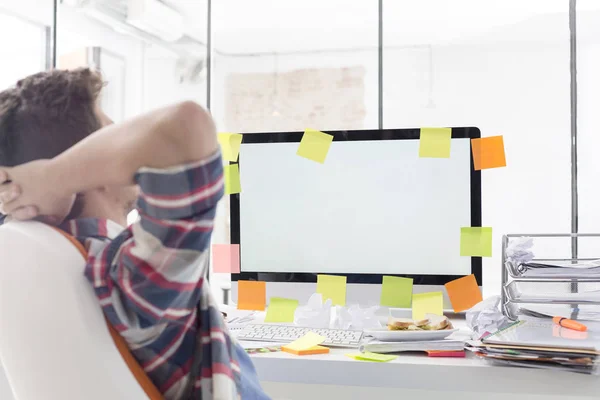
158 264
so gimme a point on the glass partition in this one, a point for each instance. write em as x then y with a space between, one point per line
31 52
278 66
504 68
588 121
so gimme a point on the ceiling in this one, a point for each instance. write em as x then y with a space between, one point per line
262 26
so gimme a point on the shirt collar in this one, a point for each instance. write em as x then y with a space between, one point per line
92 227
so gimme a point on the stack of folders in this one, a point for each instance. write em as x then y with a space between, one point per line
539 343
376 346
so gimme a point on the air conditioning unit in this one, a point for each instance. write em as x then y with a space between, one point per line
156 18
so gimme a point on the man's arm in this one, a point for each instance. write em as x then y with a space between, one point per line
156 265
167 137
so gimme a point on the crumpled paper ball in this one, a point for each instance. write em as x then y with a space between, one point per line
486 316
315 314
356 318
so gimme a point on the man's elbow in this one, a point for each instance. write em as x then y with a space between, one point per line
194 129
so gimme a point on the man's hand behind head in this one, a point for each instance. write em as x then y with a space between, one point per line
32 190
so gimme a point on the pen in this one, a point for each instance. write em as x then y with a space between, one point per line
569 323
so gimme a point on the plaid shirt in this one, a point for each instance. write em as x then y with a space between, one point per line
150 280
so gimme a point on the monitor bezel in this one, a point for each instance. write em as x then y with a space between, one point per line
359 135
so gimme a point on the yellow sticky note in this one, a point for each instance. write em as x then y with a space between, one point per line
427 303
396 292
230 145
368 356
476 242
281 310
435 142
332 287
464 293
306 342
314 145
231 175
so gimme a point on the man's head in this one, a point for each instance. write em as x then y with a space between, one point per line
46 114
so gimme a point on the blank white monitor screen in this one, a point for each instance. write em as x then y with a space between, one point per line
373 207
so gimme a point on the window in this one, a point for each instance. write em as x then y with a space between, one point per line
30 53
588 122
281 66
502 67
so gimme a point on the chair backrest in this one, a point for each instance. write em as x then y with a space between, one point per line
54 340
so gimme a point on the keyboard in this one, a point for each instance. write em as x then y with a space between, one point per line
289 333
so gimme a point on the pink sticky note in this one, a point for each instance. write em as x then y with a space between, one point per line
226 258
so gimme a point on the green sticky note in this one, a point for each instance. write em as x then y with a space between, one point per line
314 145
427 303
435 142
332 287
231 176
281 310
476 242
396 292
368 356
230 145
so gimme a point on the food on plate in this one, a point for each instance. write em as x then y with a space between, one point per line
431 322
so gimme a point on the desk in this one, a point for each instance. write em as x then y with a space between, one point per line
325 376
333 375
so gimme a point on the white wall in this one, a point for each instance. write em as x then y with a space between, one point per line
511 81
588 77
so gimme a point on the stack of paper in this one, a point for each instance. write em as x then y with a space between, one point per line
397 347
539 343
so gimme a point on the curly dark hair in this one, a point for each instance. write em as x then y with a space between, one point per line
47 113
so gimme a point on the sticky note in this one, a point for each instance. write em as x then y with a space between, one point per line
476 242
368 356
314 145
464 293
226 258
435 142
252 295
281 310
488 152
312 350
396 292
231 175
306 342
230 145
332 287
427 303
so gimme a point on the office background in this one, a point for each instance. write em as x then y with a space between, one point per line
525 69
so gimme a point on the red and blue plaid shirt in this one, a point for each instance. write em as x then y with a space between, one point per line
150 280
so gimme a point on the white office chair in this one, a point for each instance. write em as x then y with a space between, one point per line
54 341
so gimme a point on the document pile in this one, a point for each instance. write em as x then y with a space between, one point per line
558 269
378 346
539 343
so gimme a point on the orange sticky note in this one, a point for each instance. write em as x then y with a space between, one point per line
226 258
488 152
252 295
463 293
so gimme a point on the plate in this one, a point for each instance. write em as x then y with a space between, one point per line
386 335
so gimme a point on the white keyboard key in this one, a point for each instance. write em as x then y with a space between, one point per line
289 333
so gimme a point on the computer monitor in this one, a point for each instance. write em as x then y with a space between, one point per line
373 208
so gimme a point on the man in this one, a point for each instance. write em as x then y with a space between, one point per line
61 160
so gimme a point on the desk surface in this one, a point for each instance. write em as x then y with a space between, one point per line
418 372
421 372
